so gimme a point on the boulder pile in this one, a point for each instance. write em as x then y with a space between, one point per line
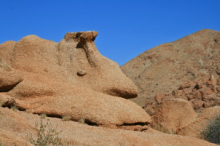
203 93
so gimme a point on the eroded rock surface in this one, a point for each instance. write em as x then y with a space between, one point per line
67 78
22 126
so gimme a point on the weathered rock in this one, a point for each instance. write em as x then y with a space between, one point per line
197 104
204 118
209 97
159 97
218 88
208 91
178 93
186 91
8 80
174 114
218 82
68 78
4 66
197 95
190 84
17 127
190 96
199 84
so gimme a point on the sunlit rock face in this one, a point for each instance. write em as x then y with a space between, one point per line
67 78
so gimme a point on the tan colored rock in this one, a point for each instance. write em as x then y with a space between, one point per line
8 138
159 97
197 95
209 97
4 66
62 60
167 97
178 93
8 80
206 116
68 78
174 114
190 84
208 91
218 82
84 135
199 84
197 104
184 97
218 88
187 91
190 96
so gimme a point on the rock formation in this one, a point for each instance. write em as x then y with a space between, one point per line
67 78
167 66
22 126
72 79
173 115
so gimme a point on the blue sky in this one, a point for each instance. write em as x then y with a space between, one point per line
126 28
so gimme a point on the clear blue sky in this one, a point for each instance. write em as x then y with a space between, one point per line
126 27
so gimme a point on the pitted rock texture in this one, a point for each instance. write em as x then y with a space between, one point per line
42 76
22 125
173 114
167 66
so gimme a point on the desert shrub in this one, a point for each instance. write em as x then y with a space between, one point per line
82 121
43 116
212 132
46 135
160 128
66 118
14 108
0 106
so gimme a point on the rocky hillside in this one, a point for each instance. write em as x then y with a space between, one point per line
68 93
166 67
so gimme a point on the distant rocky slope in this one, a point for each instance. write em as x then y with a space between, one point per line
166 67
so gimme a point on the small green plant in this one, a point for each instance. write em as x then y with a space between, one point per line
46 135
82 121
66 118
14 108
212 132
43 116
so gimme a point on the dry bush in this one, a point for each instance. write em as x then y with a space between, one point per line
46 135
66 118
212 132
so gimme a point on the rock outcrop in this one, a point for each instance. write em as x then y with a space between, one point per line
202 93
22 126
167 66
67 78
204 118
173 115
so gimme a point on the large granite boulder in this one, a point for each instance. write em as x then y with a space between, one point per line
67 78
